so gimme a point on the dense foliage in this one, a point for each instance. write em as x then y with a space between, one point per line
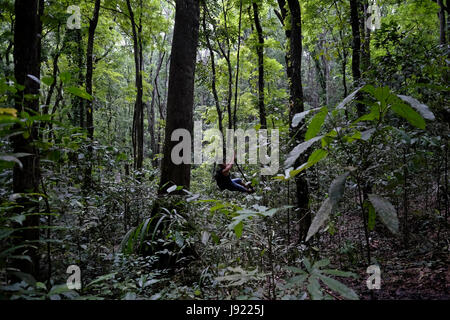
363 176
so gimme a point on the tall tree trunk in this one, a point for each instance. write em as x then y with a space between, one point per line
356 48
151 111
226 55
282 15
296 106
90 104
138 117
236 83
365 47
260 53
180 99
79 102
213 72
27 62
55 56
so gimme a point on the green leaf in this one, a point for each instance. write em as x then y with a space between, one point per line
102 279
423 109
307 264
339 273
367 117
316 156
320 217
10 158
348 98
408 113
337 188
298 117
381 94
355 136
316 123
321 263
48 80
298 279
65 76
19 218
269 213
386 212
80 93
314 289
238 229
58 289
339 287
40 285
298 150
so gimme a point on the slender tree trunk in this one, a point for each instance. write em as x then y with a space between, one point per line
226 55
236 83
181 90
152 113
56 55
282 15
296 106
365 48
138 117
260 53
213 71
27 62
79 102
90 105
356 48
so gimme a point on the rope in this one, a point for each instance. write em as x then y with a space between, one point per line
239 168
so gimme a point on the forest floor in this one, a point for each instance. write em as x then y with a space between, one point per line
418 270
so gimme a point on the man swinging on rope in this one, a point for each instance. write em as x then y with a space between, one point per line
224 180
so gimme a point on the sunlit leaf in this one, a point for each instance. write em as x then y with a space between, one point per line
298 150
316 123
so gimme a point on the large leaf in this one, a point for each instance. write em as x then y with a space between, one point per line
365 135
316 123
48 80
298 150
347 99
80 93
335 193
314 289
321 263
65 76
337 188
422 108
339 287
298 117
10 158
405 111
320 217
386 212
102 279
315 157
